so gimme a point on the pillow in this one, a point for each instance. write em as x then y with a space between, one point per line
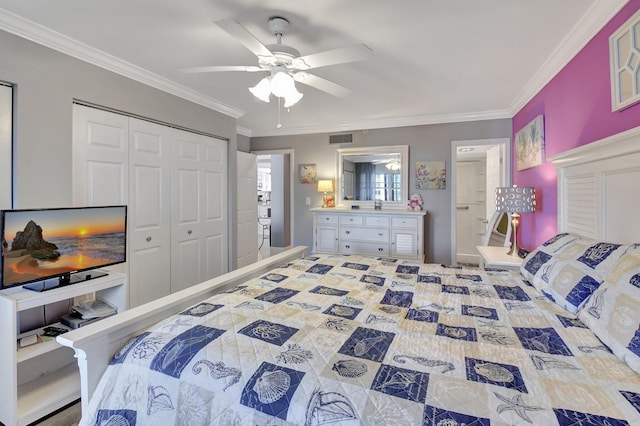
612 311
569 268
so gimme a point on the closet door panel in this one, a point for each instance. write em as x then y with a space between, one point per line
100 157
150 218
214 205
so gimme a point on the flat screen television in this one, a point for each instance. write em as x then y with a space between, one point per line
47 248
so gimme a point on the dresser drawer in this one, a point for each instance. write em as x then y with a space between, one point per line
364 234
351 219
404 222
355 247
376 221
327 218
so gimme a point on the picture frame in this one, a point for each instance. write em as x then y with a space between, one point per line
308 173
530 144
624 65
431 175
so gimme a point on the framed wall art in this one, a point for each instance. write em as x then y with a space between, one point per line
308 173
624 51
431 175
530 144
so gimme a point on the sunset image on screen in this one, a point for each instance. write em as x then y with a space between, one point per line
41 243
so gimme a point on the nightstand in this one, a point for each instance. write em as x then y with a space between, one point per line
497 257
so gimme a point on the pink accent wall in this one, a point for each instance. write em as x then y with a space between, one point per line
576 105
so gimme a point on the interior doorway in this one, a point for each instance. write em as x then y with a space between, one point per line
275 201
479 167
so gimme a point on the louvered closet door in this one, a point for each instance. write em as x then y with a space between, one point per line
199 210
149 212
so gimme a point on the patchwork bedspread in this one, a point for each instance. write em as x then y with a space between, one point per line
363 340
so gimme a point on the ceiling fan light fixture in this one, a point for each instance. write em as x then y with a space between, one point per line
262 90
292 99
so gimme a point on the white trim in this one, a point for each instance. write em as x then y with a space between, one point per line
591 193
620 144
506 142
598 15
37 33
291 182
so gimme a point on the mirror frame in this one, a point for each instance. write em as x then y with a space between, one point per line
403 150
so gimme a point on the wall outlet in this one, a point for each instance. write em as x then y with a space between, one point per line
308 201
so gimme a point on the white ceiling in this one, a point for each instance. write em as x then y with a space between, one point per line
433 60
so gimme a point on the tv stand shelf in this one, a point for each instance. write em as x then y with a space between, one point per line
43 377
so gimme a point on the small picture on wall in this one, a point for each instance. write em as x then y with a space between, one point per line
308 173
530 144
431 175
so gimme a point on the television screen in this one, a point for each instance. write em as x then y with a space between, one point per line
43 244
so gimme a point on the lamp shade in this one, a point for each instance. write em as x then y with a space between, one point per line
325 186
515 199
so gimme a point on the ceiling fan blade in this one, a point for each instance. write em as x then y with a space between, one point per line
322 84
358 52
241 34
223 68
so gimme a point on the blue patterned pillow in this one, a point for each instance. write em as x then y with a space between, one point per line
612 311
569 268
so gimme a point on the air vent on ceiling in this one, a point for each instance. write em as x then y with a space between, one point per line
341 138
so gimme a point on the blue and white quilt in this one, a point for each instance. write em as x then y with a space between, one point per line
348 340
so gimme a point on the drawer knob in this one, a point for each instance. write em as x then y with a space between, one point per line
326 218
347 246
347 232
148 239
380 234
189 232
380 249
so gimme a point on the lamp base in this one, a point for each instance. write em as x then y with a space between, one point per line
515 221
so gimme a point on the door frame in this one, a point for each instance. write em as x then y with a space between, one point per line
506 143
291 180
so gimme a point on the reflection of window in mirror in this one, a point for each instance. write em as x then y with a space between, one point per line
373 173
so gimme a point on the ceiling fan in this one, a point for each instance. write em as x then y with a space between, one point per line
285 64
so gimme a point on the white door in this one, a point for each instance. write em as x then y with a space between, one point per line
149 212
100 156
247 181
6 118
493 179
199 194
470 209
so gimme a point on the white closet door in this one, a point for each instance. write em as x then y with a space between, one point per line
150 211
199 194
100 157
247 179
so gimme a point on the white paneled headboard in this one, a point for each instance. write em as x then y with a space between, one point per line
599 188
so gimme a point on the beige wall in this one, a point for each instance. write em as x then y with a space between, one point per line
426 143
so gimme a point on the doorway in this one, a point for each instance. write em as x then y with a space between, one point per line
275 201
480 166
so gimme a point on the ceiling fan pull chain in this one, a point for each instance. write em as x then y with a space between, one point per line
279 125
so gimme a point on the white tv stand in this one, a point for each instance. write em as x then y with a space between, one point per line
41 378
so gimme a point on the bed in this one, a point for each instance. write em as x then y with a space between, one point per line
312 340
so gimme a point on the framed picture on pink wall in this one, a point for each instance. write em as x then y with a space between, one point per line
530 144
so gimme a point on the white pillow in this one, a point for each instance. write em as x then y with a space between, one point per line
569 268
613 311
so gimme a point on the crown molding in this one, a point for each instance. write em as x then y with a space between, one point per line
44 36
598 15
244 131
384 123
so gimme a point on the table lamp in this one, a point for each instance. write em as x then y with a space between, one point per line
325 186
515 200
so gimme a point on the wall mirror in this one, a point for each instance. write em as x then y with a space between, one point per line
366 174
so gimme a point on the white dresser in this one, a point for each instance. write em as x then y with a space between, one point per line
392 233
